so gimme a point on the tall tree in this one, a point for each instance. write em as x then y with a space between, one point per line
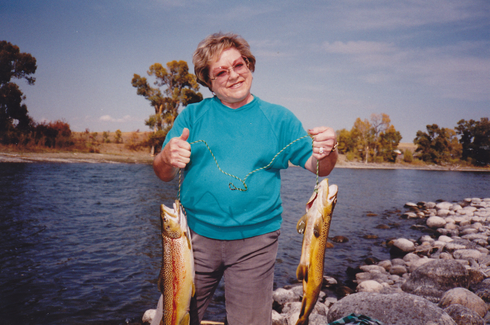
346 142
388 142
379 124
437 145
14 64
362 135
181 90
475 140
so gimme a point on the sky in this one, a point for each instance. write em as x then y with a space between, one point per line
420 62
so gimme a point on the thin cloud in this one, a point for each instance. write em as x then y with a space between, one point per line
458 75
359 47
406 14
108 118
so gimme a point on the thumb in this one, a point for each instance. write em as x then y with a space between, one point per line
185 134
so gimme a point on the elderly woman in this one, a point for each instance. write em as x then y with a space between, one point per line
235 233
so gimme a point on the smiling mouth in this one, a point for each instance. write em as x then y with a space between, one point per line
236 84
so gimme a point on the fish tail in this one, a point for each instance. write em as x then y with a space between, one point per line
306 308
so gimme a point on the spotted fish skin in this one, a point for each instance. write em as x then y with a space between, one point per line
314 226
176 279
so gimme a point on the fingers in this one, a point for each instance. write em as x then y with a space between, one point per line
178 151
324 141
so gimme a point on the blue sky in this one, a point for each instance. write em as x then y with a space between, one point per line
421 62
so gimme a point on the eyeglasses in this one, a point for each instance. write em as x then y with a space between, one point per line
223 73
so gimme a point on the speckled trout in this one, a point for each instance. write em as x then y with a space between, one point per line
176 279
314 226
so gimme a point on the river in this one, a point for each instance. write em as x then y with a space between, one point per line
81 242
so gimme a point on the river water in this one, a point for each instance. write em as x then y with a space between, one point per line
80 243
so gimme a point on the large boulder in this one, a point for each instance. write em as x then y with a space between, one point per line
482 289
395 309
464 316
466 298
433 279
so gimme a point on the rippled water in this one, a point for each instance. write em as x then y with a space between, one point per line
80 243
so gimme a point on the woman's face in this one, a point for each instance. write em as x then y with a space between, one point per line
230 79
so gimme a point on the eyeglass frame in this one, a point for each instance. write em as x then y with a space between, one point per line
246 61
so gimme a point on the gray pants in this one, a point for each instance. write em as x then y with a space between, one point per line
248 269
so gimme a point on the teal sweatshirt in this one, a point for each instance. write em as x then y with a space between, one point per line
242 140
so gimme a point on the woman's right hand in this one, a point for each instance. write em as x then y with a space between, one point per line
177 152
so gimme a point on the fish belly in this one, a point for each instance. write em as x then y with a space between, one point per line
176 281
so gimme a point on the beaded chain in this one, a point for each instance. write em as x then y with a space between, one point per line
245 187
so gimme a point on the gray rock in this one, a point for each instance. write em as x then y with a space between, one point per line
399 261
416 264
292 310
402 246
434 278
398 269
410 215
482 289
394 309
430 205
444 205
369 286
316 319
386 264
278 319
465 298
281 296
464 316
373 268
466 254
443 212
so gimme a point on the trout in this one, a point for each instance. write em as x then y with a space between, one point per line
176 279
314 226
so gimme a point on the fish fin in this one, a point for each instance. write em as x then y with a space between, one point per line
318 228
189 244
301 272
330 245
193 289
301 226
186 320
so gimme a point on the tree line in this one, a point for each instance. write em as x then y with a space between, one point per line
369 140
442 146
373 140
376 140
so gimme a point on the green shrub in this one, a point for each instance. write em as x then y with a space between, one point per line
408 156
350 156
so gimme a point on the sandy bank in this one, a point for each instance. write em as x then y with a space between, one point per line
142 157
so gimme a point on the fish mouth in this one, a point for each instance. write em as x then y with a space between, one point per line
326 194
332 193
311 201
172 214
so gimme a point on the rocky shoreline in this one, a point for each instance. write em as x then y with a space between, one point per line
441 278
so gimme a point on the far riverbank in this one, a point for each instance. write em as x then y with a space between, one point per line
143 157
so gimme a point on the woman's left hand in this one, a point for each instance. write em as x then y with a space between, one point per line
324 141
